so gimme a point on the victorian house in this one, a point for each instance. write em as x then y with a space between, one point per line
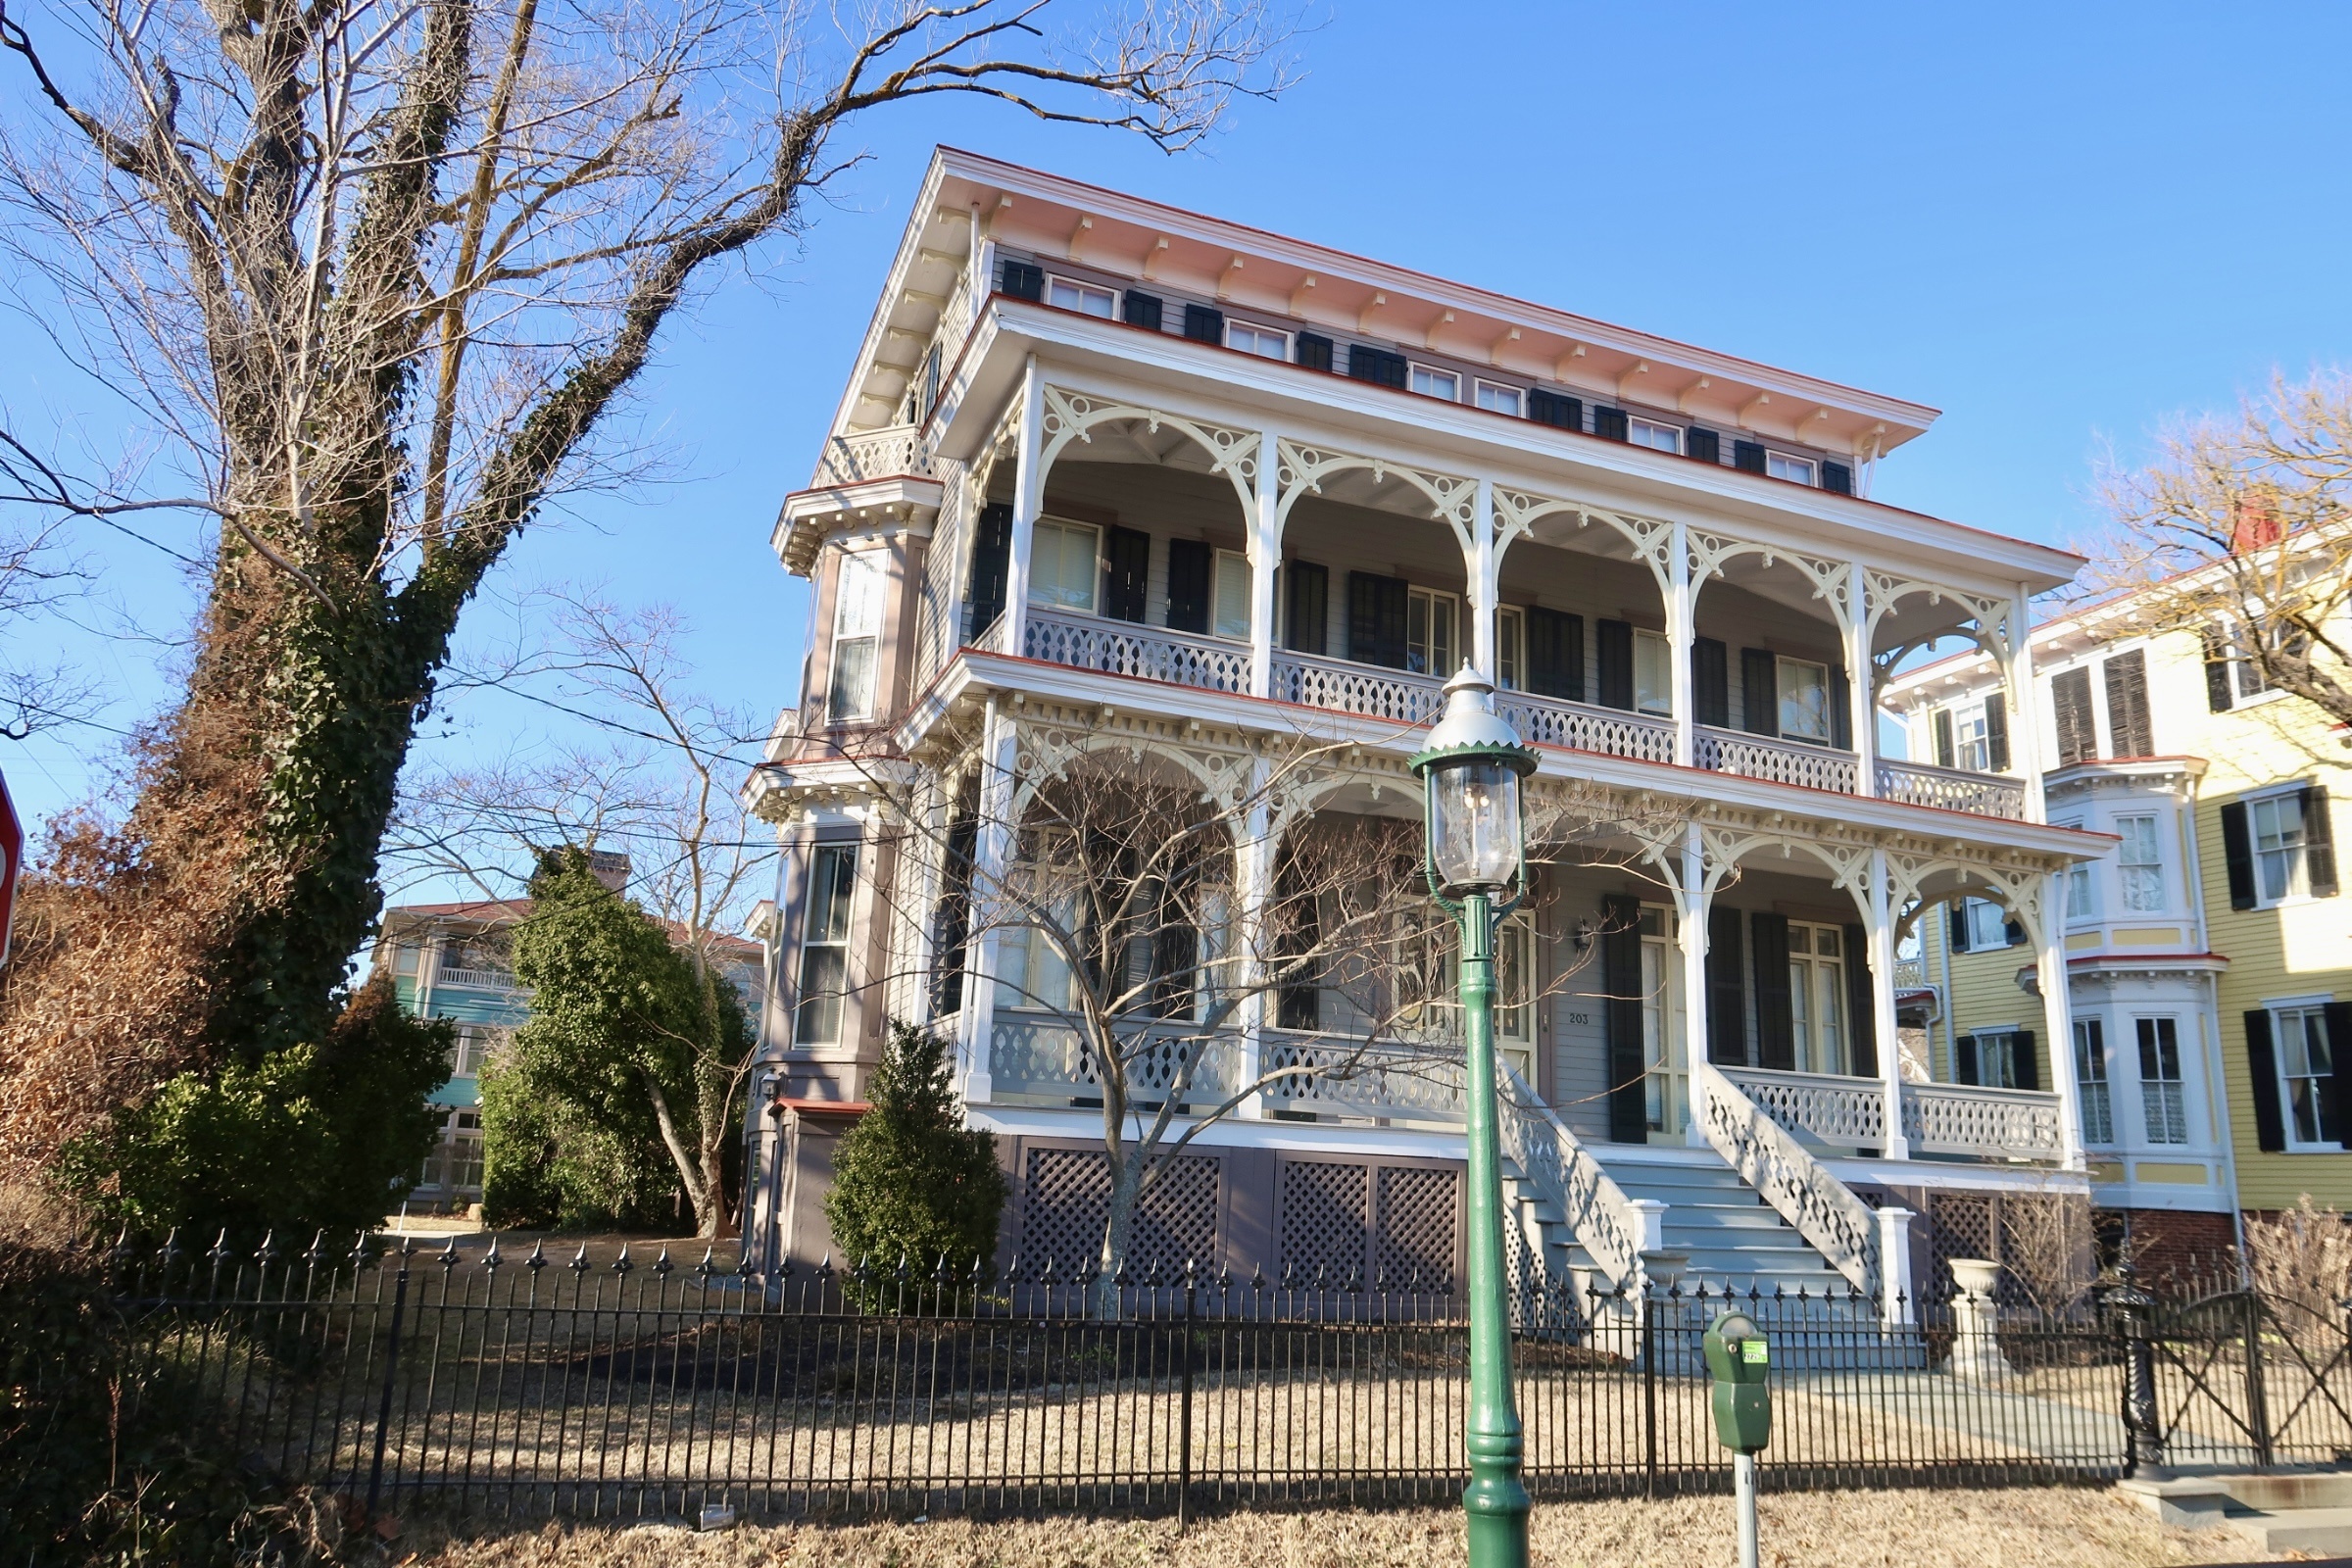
1106 474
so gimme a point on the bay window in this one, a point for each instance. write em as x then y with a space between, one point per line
825 944
857 591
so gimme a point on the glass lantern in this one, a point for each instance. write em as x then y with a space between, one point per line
1470 773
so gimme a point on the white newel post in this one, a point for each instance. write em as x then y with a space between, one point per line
1882 1006
1691 935
1266 556
1028 500
1483 586
992 852
1253 854
1895 1307
1680 635
2058 1019
1861 695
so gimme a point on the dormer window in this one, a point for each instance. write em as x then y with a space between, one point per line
1501 399
1657 437
1262 341
1781 465
1085 298
1435 383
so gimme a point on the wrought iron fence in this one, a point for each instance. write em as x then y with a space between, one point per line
546 1383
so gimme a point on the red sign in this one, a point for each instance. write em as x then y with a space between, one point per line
11 855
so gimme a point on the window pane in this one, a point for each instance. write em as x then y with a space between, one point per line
1436 383
1653 673
853 693
2091 1077
1233 595
1804 700
832 879
1781 467
1062 565
858 595
1499 399
1078 297
1647 433
1506 649
822 973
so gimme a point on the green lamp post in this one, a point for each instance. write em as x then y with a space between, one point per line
1476 861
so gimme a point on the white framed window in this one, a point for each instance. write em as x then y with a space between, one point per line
404 957
2163 1097
1804 700
2306 1059
1653 673
2081 902
1664 1019
1433 623
2091 1081
1430 381
1996 1060
1071 295
1985 924
825 944
857 633
1231 613
1262 341
1065 564
1817 996
2275 824
1651 434
1783 465
2139 863
1509 641
1497 399
1972 746
469 1049
1428 974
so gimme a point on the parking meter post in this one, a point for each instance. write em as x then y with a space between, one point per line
1743 1477
1739 1361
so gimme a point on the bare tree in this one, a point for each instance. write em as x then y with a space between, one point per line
379 272
663 783
38 574
1122 927
2239 532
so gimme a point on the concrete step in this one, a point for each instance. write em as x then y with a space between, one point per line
2302 1513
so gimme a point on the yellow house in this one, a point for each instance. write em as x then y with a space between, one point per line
2209 954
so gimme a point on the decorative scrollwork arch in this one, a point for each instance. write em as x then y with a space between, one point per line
1301 469
1516 513
1075 416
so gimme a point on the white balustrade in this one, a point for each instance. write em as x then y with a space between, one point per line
1347 1077
1376 692
1909 974
1149 653
1595 1209
1990 1123
1043 1054
1781 1170
478 979
1611 731
1951 789
1850 1113
873 455
1746 756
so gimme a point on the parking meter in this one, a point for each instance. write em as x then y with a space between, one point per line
1739 1357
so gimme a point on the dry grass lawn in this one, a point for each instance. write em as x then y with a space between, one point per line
2013 1529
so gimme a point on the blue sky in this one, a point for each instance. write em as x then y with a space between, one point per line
2061 224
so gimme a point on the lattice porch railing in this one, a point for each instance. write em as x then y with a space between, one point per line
873 455
1992 1123
1147 653
1040 1055
1745 756
1375 691
1611 731
1951 789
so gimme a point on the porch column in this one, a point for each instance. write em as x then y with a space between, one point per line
2026 753
2058 1018
1691 905
992 852
1859 688
1896 1145
1028 500
1253 876
1483 588
1679 637
1265 556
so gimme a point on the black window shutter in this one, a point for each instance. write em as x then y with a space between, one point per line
1956 925
952 918
1861 1005
1704 445
1839 477
1997 731
2078 730
1727 989
992 557
1024 280
1202 324
1552 409
2237 853
2013 933
1609 422
1946 755
1142 310
1306 618
1711 682
1775 1021
1620 979
1190 562
1126 571
1555 655
2262 1073
1747 456
2020 1051
2129 727
1297 932
2336 1094
1376 616
1314 351
1613 646
2218 695
1759 691
1842 710
1377 365
2319 841
1964 1060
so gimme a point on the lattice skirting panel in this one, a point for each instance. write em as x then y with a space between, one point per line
1066 1202
1384 1226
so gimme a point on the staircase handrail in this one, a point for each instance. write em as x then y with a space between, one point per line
1825 1211
1611 1229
